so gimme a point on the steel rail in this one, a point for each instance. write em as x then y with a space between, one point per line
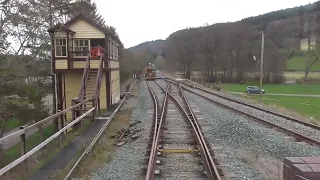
157 128
155 114
204 151
289 132
247 104
213 166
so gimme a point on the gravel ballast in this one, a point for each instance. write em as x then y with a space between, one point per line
282 122
222 127
235 133
162 83
128 161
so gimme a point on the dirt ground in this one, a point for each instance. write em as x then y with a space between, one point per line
267 167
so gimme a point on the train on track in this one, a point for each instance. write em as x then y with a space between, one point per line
150 72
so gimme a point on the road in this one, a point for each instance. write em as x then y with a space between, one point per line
275 94
12 142
15 141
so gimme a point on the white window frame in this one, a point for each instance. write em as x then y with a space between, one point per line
74 47
111 50
114 51
55 46
117 52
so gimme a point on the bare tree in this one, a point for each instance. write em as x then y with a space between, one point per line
5 14
313 58
313 44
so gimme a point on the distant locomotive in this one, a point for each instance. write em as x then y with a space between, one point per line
150 71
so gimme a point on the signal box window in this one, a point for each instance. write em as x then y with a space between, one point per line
61 47
82 47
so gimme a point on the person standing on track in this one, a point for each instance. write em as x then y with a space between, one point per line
127 87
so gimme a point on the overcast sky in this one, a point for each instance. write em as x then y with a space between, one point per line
138 21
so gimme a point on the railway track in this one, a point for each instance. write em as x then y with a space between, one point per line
300 130
178 148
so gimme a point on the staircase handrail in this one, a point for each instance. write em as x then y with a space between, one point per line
98 81
84 79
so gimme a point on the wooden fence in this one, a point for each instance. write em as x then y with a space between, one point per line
39 125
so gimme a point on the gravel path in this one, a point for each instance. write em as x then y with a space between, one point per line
296 127
128 161
246 143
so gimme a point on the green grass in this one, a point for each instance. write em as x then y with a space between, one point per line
15 151
299 62
13 123
305 106
277 88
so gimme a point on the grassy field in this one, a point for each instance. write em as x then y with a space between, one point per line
289 75
299 62
305 106
277 88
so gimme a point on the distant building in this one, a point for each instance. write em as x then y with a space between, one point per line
304 43
310 26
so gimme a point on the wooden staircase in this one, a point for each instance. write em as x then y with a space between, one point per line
89 89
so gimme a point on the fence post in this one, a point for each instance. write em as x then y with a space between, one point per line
59 119
1 152
23 142
73 110
95 110
23 147
99 105
41 132
79 114
63 117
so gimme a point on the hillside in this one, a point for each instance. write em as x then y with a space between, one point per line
283 14
284 17
153 47
229 47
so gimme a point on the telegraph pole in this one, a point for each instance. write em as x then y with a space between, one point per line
261 63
